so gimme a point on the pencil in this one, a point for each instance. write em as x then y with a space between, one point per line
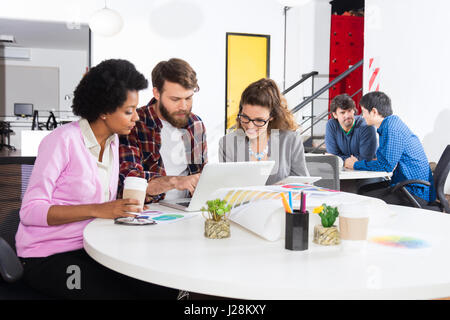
285 203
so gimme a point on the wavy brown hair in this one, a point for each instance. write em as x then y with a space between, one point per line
177 71
265 93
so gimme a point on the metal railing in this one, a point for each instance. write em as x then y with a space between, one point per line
315 95
327 86
303 79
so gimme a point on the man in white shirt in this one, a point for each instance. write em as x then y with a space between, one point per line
168 144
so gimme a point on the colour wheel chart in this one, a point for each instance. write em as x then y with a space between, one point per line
161 217
168 217
405 242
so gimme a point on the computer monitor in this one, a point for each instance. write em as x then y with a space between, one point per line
23 109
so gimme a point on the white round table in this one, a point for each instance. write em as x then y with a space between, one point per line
246 266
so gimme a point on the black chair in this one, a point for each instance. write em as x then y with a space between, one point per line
13 182
5 134
326 167
440 176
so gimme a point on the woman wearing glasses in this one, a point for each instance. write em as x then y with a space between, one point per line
266 130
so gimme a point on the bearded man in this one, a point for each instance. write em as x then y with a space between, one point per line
348 134
167 146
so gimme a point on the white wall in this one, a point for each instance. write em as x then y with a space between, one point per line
409 41
308 49
195 31
157 30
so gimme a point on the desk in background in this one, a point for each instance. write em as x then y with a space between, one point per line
18 124
246 266
15 157
334 176
352 180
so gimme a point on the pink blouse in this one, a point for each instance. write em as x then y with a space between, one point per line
64 173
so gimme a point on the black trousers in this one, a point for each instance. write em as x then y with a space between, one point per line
382 190
75 275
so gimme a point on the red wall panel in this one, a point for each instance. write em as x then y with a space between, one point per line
346 49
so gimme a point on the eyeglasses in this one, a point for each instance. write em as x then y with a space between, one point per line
257 122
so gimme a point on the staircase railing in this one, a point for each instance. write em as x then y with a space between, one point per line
327 86
303 79
315 95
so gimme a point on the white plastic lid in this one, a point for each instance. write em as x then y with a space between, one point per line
358 209
135 183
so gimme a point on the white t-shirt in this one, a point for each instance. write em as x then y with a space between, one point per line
173 154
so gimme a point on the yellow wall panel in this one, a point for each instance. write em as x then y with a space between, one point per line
247 61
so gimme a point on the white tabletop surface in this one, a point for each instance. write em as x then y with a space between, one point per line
246 266
348 174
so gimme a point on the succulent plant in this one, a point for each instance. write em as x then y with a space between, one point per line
217 209
327 214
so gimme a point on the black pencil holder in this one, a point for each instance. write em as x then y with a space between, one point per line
297 228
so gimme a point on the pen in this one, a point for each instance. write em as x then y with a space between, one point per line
303 207
285 203
301 202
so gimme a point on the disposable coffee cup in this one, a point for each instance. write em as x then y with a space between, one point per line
135 188
353 225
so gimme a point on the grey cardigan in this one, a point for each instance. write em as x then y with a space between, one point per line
285 147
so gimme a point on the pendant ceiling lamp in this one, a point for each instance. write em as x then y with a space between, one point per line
293 3
106 22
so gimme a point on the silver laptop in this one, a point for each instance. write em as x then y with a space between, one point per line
223 175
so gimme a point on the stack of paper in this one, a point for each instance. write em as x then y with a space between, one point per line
260 210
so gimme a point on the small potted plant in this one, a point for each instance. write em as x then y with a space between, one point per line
327 233
217 225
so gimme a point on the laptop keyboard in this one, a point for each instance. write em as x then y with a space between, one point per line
184 204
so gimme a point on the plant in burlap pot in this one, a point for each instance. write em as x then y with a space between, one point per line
327 233
217 225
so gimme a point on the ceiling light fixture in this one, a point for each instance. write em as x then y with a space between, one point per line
106 22
294 3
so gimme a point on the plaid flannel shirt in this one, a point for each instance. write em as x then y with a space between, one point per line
139 151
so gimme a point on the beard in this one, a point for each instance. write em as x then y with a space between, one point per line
348 122
170 118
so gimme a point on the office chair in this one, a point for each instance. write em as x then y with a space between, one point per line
5 132
325 166
440 176
12 187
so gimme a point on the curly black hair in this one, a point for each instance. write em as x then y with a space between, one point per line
104 88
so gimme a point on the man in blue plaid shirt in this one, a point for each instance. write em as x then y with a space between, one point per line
399 151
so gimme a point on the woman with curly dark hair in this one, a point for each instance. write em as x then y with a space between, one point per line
74 180
266 130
